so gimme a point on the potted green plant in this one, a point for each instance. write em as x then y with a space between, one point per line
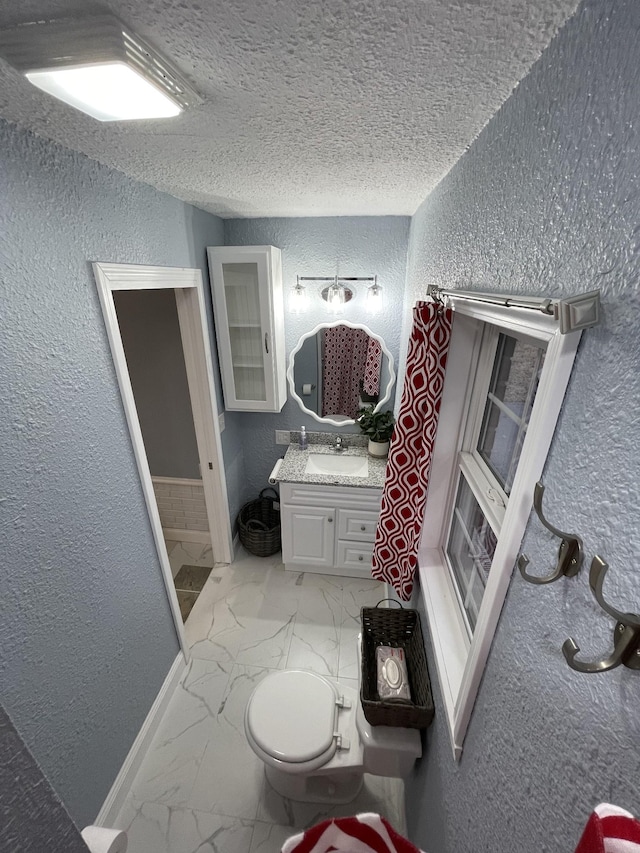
378 426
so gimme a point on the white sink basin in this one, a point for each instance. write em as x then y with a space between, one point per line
334 464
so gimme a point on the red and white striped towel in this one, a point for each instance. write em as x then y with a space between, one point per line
364 833
610 830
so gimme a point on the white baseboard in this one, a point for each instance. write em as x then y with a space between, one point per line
174 534
352 572
116 797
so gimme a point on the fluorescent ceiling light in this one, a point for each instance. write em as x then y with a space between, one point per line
109 92
99 66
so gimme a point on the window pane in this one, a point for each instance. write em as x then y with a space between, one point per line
516 372
470 549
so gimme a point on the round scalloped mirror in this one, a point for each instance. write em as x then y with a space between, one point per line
337 368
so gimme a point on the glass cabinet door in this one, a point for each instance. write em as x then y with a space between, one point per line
242 295
246 285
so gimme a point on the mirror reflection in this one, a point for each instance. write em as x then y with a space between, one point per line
338 368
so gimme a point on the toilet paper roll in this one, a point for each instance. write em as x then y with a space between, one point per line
99 839
273 476
306 389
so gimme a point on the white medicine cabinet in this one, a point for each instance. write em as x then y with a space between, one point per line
248 306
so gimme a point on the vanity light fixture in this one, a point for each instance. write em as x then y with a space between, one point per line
299 298
99 66
336 297
336 294
374 297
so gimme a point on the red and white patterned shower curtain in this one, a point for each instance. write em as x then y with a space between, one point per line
372 368
343 363
405 490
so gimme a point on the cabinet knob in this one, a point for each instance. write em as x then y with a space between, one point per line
362 527
330 519
361 558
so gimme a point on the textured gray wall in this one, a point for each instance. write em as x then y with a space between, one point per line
547 201
358 246
150 330
86 635
32 818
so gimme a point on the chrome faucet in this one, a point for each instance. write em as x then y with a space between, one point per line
338 444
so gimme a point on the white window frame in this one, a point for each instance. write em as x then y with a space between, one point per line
460 661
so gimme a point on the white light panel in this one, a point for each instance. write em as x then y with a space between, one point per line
109 91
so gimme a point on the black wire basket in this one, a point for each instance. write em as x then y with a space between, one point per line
384 626
259 524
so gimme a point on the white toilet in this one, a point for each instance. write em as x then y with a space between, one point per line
314 739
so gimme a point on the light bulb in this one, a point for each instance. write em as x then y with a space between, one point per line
374 299
298 299
336 298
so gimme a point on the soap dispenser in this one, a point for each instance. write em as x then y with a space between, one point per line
304 441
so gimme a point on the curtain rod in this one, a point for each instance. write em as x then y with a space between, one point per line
573 314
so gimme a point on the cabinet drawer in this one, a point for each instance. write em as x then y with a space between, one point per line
354 555
357 525
347 497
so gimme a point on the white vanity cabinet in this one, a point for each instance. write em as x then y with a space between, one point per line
248 307
328 529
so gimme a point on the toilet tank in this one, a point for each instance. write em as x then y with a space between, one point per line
388 751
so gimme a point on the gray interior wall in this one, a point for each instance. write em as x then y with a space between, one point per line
358 246
32 818
86 636
150 331
547 201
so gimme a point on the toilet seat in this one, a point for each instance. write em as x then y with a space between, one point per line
292 720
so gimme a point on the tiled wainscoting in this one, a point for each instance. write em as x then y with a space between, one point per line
183 512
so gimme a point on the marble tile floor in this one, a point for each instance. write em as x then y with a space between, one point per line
189 555
201 787
186 601
189 583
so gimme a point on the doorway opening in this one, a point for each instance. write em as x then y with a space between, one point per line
157 328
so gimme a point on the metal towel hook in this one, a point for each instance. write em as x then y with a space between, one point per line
626 635
596 580
570 553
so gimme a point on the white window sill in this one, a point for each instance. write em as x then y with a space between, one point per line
448 635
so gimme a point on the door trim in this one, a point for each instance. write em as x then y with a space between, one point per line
193 327
198 364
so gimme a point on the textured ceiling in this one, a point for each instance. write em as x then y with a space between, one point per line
312 107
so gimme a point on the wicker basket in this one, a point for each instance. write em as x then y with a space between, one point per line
383 626
259 524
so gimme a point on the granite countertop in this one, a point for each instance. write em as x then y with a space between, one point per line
293 467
